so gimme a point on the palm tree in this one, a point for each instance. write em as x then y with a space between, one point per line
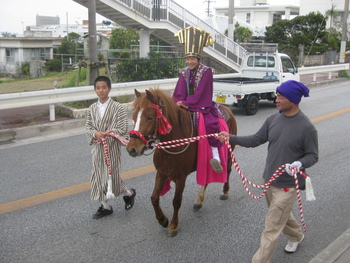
331 14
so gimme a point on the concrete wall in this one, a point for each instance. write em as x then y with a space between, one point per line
36 68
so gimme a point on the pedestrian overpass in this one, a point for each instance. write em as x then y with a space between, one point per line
164 18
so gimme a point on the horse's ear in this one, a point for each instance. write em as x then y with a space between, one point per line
151 97
137 93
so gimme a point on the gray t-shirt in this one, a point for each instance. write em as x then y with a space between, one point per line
290 139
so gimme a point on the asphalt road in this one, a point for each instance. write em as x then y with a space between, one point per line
62 230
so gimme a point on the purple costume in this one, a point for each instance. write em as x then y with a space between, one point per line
195 89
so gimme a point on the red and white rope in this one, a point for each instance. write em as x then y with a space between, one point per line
107 160
276 174
181 142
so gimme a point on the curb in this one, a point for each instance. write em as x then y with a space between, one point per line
335 251
21 133
7 135
326 82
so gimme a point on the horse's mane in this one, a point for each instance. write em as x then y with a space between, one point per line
169 108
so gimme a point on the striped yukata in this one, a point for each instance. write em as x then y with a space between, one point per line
114 119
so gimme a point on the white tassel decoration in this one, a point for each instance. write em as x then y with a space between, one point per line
309 190
109 194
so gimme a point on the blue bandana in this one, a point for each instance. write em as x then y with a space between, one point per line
293 90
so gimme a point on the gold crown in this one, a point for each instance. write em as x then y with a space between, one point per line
195 39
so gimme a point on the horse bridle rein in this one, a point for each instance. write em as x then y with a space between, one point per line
162 127
147 140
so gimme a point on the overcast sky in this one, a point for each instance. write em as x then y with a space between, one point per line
15 15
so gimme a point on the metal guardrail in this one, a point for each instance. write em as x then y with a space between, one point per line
322 69
53 96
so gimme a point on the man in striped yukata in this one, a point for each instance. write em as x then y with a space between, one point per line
104 117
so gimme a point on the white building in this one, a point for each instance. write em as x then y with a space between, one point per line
14 51
81 29
257 14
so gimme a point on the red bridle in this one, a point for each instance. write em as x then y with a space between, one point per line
163 127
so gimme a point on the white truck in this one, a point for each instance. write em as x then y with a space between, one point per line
263 70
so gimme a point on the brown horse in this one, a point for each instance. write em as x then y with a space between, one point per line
174 163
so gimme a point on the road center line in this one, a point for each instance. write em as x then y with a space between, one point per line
76 189
64 192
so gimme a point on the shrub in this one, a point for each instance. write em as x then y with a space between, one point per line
25 68
53 65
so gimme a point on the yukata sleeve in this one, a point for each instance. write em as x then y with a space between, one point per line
89 127
180 91
120 122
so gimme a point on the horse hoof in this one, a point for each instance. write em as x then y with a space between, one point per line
166 224
171 233
223 197
196 207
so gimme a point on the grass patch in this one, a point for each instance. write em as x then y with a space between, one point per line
345 74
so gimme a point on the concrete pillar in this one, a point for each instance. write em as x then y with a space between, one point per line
144 42
94 69
287 14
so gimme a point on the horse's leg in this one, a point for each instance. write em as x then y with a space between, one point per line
226 188
159 184
180 185
200 198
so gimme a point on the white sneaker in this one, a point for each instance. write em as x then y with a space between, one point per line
291 247
215 164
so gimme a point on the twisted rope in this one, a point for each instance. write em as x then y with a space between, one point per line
181 142
107 160
276 174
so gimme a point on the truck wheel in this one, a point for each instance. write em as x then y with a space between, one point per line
252 105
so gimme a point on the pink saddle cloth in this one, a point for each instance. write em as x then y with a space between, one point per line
205 173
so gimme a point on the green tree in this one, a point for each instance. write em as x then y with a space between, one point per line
69 45
53 65
154 67
122 38
331 14
242 34
309 31
8 34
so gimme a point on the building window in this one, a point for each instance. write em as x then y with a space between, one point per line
247 18
276 17
10 56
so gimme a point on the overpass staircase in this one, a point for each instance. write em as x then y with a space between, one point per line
164 18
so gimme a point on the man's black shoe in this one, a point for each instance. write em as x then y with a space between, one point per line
129 200
101 212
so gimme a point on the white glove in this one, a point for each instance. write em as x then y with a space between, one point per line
294 165
297 165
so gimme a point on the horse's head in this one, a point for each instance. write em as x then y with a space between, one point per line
149 120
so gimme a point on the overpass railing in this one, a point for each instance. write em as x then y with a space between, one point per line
172 12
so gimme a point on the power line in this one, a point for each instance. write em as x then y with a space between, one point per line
208 12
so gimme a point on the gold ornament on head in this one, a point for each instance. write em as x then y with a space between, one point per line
195 39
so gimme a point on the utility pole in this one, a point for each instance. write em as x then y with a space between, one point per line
208 9
93 62
344 36
231 14
67 26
